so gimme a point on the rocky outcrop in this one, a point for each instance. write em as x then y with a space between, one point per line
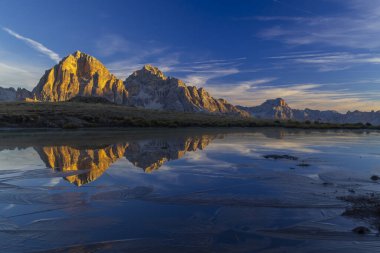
150 88
278 109
79 75
11 94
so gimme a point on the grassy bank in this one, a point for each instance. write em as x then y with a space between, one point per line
71 115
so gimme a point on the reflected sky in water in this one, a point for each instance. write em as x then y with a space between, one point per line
189 190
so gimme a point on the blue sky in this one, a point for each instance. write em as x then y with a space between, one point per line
321 54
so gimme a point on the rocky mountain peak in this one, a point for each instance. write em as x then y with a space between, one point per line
271 109
150 88
79 74
275 103
77 54
150 72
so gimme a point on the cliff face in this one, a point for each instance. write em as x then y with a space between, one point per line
79 75
150 88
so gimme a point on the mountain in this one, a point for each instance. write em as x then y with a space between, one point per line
79 75
280 110
270 109
82 75
11 94
150 88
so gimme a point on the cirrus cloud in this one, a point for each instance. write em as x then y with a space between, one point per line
34 44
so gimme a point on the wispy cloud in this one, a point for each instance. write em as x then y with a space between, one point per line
357 25
312 95
16 75
133 55
329 61
112 44
173 62
34 44
200 73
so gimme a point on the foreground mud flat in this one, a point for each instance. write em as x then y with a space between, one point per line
192 190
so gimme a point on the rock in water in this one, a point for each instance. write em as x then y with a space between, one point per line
79 75
361 230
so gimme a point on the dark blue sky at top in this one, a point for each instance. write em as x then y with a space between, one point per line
322 54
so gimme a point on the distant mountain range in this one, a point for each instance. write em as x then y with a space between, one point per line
81 75
278 109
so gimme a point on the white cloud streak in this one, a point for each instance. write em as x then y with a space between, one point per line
34 44
329 61
357 25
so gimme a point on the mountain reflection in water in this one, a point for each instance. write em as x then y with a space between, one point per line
216 190
90 159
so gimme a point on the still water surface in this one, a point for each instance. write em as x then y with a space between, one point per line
190 190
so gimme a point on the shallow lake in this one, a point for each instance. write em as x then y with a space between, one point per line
187 190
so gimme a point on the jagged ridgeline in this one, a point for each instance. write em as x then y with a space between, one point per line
82 78
81 75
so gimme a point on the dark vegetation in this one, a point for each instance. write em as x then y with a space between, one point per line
90 100
88 113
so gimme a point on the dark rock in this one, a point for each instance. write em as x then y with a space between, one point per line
303 164
277 157
361 230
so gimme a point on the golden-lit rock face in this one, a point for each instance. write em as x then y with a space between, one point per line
148 155
79 75
93 161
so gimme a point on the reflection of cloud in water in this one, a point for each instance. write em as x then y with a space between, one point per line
210 193
291 146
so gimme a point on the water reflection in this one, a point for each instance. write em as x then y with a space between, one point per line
91 158
214 190
93 161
